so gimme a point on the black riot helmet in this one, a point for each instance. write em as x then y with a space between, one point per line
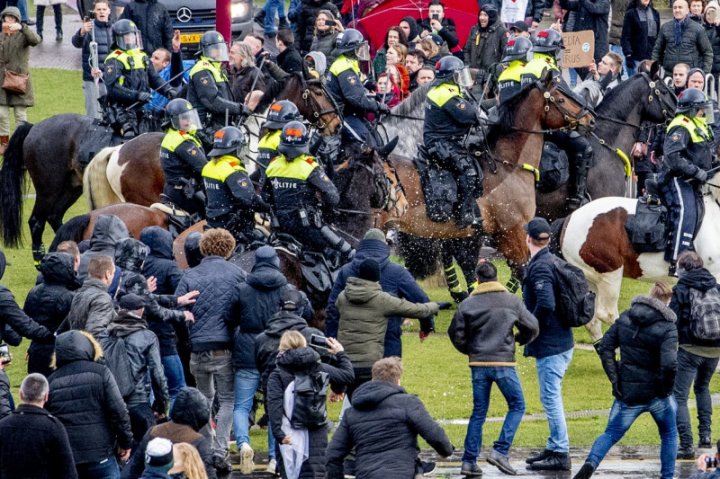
213 46
352 43
548 41
227 141
280 113
690 101
294 140
126 35
182 115
517 49
451 68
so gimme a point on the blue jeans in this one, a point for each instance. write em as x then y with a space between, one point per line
482 380
174 375
272 6
551 371
107 469
696 371
246 383
622 417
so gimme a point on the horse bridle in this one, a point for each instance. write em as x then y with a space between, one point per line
572 119
312 103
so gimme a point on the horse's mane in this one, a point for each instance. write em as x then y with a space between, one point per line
615 103
276 87
506 113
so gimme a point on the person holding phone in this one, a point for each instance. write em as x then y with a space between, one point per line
327 29
96 27
437 24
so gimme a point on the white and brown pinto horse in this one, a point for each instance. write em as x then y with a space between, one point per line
594 239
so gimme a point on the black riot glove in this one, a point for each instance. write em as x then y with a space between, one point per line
144 96
383 109
171 93
444 305
701 176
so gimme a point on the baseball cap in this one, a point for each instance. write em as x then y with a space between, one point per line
519 26
538 228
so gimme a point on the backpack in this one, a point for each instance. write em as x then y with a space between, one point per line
117 360
575 303
705 314
310 391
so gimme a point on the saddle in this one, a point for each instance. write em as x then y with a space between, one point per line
178 219
97 137
318 271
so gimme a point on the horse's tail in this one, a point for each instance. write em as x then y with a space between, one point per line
71 230
420 254
96 187
557 228
13 185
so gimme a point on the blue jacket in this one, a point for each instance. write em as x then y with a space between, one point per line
394 279
539 286
218 282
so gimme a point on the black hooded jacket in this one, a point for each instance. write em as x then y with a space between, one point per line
698 279
86 399
108 230
383 425
153 21
648 340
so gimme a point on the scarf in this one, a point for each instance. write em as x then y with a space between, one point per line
678 26
646 16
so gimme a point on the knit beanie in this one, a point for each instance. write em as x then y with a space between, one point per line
159 455
375 234
267 255
369 270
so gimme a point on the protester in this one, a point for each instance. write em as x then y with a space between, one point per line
483 328
436 23
682 41
108 230
414 62
412 32
92 307
305 23
85 398
153 21
382 426
642 381
679 78
34 444
639 31
99 30
425 75
57 14
711 20
187 463
158 459
289 58
696 10
486 41
247 77
590 15
394 36
601 78
327 29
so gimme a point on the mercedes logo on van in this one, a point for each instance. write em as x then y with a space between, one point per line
184 14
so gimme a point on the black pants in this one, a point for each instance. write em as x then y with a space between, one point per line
309 236
177 196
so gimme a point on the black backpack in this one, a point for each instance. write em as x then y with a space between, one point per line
310 409
574 302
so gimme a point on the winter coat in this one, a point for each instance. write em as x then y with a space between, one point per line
713 34
382 426
364 308
394 279
617 20
153 21
306 21
34 445
5 409
91 310
291 61
86 399
324 42
49 303
190 413
304 360
15 56
483 325
590 15
104 40
648 339
108 230
637 44
160 264
243 80
485 46
694 49
218 281
448 32
539 289
700 280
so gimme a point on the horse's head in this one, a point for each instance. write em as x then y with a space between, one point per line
563 109
314 102
658 104
361 173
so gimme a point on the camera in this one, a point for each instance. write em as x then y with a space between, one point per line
330 23
318 341
89 16
435 16
5 356
711 462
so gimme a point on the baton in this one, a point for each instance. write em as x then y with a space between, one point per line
164 84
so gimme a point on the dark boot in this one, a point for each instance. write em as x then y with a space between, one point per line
585 472
538 457
686 453
582 165
283 23
501 462
470 469
596 346
556 461
705 442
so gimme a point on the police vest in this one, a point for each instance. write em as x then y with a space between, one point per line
539 64
509 81
441 94
289 182
175 167
130 60
218 194
206 65
699 131
174 138
343 63
267 147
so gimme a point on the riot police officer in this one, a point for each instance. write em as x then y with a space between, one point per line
347 89
280 114
209 89
293 179
449 115
510 80
128 76
231 198
547 44
688 157
182 157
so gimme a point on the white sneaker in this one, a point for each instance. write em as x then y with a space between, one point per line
246 459
272 467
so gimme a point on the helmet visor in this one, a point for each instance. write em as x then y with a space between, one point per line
463 78
187 121
362 52
129 41
217 52
709 108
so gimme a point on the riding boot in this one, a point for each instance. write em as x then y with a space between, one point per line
672 270
582 165
4 140
468 213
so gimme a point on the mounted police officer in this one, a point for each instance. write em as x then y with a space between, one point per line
689 155
231 198
293 179
449 116
547 44
347 89
128 77
182 158
209 89
280 114
510 80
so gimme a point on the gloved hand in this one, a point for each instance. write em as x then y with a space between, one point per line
245 111
383 109
144 96
171 94
701 176
444 305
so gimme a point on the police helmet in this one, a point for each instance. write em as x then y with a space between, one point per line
690 101
352 43
213 46
127 36
547 41
227 141
447 66
517 49
183 116
294 140
281 112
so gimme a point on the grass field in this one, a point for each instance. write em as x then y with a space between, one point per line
434 370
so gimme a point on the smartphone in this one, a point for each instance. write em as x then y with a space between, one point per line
330 23
435 16
5 356
318 341
89 16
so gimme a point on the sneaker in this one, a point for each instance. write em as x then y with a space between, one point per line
556 461
585 472
538 457
501 462
471 469
705 442
272 467
246 459
428 467
686 453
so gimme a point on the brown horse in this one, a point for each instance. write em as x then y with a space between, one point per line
510 165
133 173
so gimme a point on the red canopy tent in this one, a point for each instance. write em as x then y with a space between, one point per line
376 20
